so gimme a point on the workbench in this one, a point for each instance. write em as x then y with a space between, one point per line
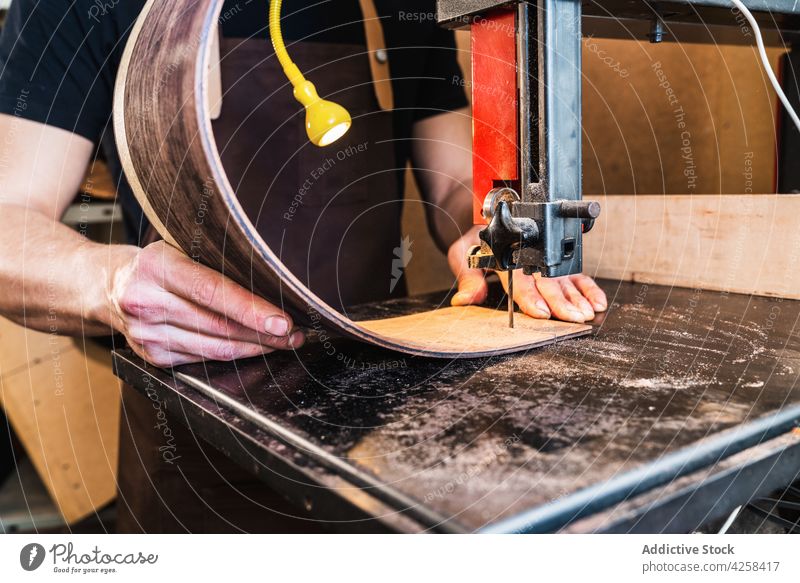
681 406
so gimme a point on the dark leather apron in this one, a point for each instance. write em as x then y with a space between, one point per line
331 214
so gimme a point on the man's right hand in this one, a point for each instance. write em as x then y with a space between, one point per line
175 311
172 310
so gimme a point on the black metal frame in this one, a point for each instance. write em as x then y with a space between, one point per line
331 499
549 63
675 494
710 452
772 14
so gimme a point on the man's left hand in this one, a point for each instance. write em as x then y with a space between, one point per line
574 298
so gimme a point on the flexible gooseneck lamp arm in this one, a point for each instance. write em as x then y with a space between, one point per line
326 121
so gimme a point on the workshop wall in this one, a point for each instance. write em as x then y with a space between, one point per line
677 119
636 95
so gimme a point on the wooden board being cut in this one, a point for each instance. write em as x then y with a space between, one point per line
169 154
475 330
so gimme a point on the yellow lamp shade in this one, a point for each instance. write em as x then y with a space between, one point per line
326 121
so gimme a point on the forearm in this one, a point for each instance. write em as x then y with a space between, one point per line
53 279
442 157
451 218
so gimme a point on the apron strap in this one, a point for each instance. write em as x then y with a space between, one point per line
378 63
214 97
378 55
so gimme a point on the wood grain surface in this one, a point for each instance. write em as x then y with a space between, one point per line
476 330
170 157
63 401
746 244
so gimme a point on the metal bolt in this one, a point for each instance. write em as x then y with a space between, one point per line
657 31
580 209
381 56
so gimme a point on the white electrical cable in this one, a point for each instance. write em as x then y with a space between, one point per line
765 60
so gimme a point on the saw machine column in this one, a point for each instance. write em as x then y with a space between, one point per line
526 93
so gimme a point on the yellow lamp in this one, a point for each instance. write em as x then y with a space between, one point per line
326 121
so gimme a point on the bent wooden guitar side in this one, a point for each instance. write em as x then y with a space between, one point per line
166 144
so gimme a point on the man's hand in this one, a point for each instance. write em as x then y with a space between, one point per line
575 298
442 156
174 311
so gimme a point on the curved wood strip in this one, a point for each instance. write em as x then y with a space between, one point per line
168 151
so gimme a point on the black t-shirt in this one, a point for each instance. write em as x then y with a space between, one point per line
60 59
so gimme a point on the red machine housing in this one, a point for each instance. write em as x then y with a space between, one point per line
495 123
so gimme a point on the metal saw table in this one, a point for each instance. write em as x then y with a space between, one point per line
683 405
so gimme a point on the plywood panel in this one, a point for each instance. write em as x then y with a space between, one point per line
655 113
18 348
64 408
475 329
736 243
632 141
